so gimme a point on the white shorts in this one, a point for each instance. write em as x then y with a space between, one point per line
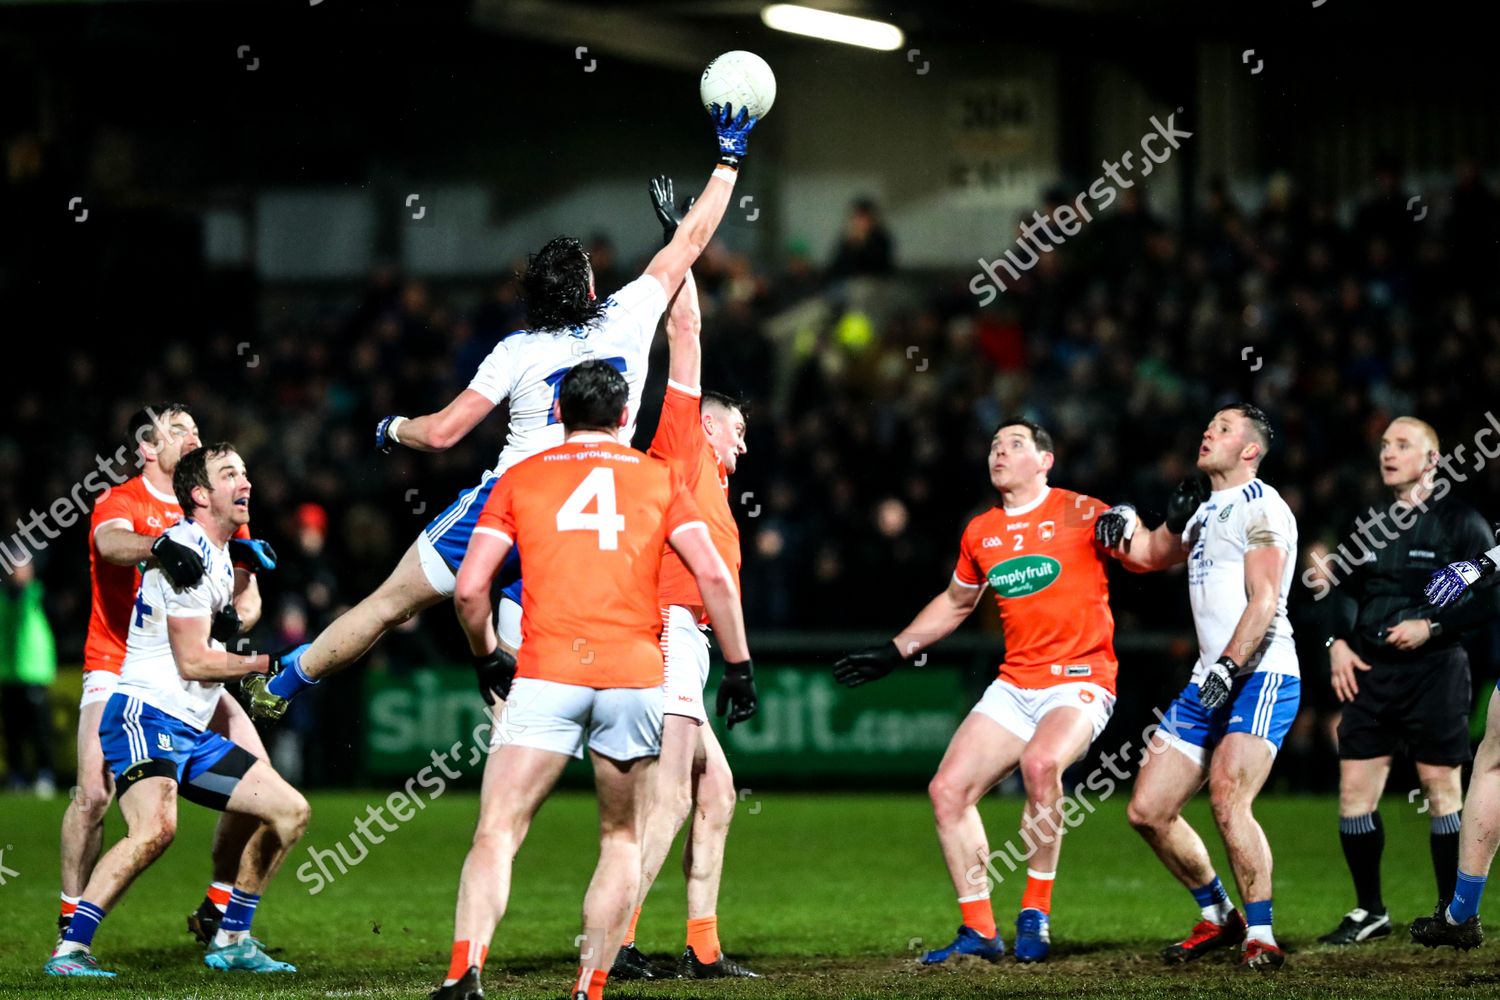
621 723
98 685
684 648
435 568
1020 709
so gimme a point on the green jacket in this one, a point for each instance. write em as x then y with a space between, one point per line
27 652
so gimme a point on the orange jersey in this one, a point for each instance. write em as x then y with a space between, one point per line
1049 580
680 442
137 506
591 516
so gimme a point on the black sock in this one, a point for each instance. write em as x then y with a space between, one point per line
1364 839
1444 842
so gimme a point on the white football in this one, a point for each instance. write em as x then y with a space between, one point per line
739 78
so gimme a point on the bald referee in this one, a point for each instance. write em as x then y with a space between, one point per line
1397 665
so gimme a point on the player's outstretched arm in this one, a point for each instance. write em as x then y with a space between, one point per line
936 621
123 547
196 658
1120 532
684 324
671 263
434 431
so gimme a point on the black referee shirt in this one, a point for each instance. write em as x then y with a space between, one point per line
1386 584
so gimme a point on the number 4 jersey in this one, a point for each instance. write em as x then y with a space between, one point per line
591 517
1049 580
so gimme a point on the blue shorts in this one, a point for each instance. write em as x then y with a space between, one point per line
1262 704
451 530
205 765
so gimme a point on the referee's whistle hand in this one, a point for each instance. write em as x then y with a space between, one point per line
1408 635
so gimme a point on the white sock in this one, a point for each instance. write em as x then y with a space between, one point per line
225 938
1261 933
1218 912
70 947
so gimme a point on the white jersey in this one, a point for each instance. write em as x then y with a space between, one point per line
1226 526
149 672
527 367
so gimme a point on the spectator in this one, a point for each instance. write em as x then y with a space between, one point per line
28 666
865 247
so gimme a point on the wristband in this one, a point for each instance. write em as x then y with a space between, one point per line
390 431
725 173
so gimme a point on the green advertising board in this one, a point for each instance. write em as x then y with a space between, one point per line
808 725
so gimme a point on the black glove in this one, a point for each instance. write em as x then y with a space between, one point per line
226 624
383 440
182 564
254 551
737 693
1213 690
495 671
666 212
1115 526
868 664
1184 503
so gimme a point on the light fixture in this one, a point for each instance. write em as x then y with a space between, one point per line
831 27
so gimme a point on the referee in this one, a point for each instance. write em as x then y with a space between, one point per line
1396 662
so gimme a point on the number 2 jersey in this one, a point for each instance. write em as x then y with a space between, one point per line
527 367
1048 576
149 672
591 517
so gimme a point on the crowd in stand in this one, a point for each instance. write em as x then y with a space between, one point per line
860 475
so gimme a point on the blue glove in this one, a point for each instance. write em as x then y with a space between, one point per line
384 442
1449 583
733 130
255 552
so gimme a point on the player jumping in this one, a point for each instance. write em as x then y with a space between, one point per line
701 434
1457 924
593 516
1227 724
154 731
126 532
1055 692
567 325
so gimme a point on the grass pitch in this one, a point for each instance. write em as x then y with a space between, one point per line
827 895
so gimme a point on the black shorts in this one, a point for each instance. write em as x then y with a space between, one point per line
1420 707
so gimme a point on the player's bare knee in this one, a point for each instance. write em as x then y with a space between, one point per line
293 819
947 799
717 800
1042 774
1146 816
155 834
1227 795
92 803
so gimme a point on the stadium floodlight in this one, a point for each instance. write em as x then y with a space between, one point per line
831 27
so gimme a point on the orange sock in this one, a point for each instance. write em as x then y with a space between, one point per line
1038 894
977 914
630 931
591 982
218 894
703 938
465 954
69 904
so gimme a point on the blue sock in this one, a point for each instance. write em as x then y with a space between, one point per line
291 681
1210 893
85 922
1466 896
1258 914
240 912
